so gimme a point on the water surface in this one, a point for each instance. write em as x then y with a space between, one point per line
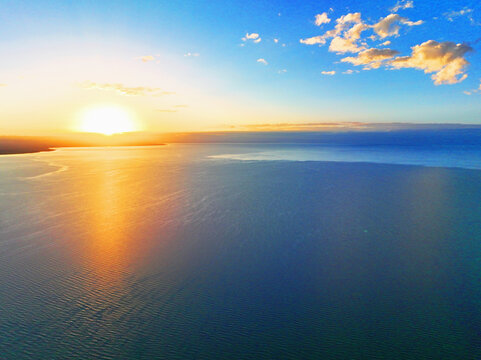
183 251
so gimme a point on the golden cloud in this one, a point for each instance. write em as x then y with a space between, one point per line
147 58
124 90
371 58
444 59
389 26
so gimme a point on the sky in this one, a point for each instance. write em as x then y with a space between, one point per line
176 66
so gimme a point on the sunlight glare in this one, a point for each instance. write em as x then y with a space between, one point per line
107 120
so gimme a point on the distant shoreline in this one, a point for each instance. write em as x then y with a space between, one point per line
17 145
379 136
25 151
36 151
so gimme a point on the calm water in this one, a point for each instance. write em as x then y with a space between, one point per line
186 252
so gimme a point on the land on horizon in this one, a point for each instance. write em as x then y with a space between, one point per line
315 133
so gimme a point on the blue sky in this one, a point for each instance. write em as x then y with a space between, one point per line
199 65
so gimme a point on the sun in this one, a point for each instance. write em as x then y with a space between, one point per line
107 120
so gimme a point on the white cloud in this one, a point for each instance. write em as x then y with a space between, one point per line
330 73
343 45
386 43
371 58
444 59
348 42
253 36
262 61
474 91
282 71
189 54
322 19
350 72
402 5
320 39
463 12
345 34
276 40
389 26
349 18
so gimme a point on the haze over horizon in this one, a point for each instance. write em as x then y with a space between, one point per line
211 66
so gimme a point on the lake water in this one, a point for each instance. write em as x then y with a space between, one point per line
241 251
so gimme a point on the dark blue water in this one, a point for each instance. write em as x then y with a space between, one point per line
200 252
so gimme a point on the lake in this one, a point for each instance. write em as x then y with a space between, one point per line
241 251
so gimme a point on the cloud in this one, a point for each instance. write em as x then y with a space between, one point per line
322 19
124 90
402 5
452 15
320 39
262 61
348 42
474 91
253 36
389 26
345 34
349 18
146 58
282 71
348 126
343 45
181 106
444 59
330 73
276 40
189 54
166 110
371 58
314 126
3 85
350 72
